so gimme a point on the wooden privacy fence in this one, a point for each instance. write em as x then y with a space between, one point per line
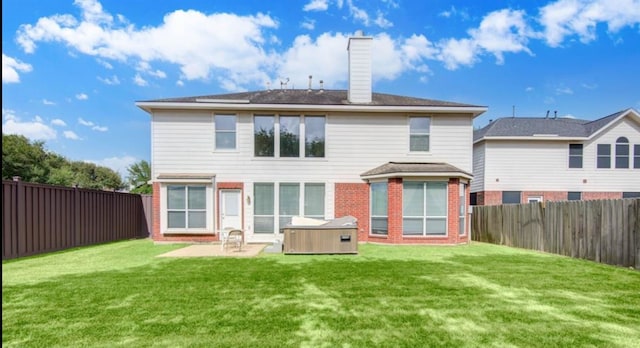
606 231
42 218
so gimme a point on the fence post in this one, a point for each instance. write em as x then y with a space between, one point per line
21 218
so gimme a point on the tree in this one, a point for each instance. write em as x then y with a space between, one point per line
32 163
139 177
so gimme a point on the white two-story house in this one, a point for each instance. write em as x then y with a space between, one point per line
525 159
400 165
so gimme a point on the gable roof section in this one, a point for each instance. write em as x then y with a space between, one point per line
548 128
408 169
306 99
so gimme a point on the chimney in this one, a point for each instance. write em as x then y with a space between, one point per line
359 68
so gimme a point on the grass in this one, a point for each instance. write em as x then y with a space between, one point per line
121 295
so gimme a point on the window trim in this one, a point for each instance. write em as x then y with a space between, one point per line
463 206
574 156
622 142
535 199
277 134
209 209
424 216
430 118
636 156
598 156
372 216
216 131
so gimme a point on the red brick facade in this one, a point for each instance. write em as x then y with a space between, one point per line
495 197
353 199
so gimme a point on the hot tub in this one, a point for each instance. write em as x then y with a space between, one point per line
306 236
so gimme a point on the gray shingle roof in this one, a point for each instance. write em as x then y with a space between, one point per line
313 97
414 167
529 126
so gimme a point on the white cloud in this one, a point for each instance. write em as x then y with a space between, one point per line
100 128
10 68
48 102
138 80
358 13
118 164
564 90
85 123
58 122
528 89
34 130
565 18
104 63
179 83
316 5
70 135
308 24
589 86
109 80
382 22
82 96
218 44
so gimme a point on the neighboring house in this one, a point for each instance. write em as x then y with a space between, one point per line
522 159
253 160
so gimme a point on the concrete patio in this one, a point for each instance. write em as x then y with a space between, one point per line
213 250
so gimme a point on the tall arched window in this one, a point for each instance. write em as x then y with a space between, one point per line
622 153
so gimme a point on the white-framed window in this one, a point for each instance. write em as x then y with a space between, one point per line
186 207
285 200
622 152
534 199
636 156
289 136
575 155
379 217
225 134
463 209
424 208
604 156
419 133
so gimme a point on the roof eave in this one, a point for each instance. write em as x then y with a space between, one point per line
629 112
529 137
150 106
417 174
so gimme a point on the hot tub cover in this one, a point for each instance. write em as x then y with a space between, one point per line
341 222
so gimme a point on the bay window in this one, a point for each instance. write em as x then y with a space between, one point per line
424 208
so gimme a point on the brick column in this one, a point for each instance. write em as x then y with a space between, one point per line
394 212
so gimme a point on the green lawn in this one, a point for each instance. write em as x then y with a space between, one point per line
474 295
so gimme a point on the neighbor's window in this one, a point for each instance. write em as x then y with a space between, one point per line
463 208
604 156
225 131
186 206
314 136
419 133
630 194
574 196
511 197
379 218
636 156
289 205
263 209
575 155
264 136
622 153
424 208
289 136
314 201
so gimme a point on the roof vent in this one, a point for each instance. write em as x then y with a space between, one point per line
310 77
321 86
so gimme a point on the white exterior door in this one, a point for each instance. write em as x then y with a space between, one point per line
230 209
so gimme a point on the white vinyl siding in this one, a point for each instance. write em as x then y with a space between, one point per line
477 184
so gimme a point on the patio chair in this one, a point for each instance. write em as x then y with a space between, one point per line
232 237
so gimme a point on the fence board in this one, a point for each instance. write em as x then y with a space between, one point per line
606 231
40 218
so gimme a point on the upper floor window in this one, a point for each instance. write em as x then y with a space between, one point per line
575 155
636 156
419 131
314 136
225 131
289 136
289 132
264 136
622 153
604 156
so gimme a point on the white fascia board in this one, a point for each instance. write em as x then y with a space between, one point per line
418 174
532 138
630 112
150 106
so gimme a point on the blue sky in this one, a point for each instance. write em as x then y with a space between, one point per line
73 70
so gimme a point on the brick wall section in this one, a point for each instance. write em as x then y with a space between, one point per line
495 197
353 199
601 195
156 234
394 211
